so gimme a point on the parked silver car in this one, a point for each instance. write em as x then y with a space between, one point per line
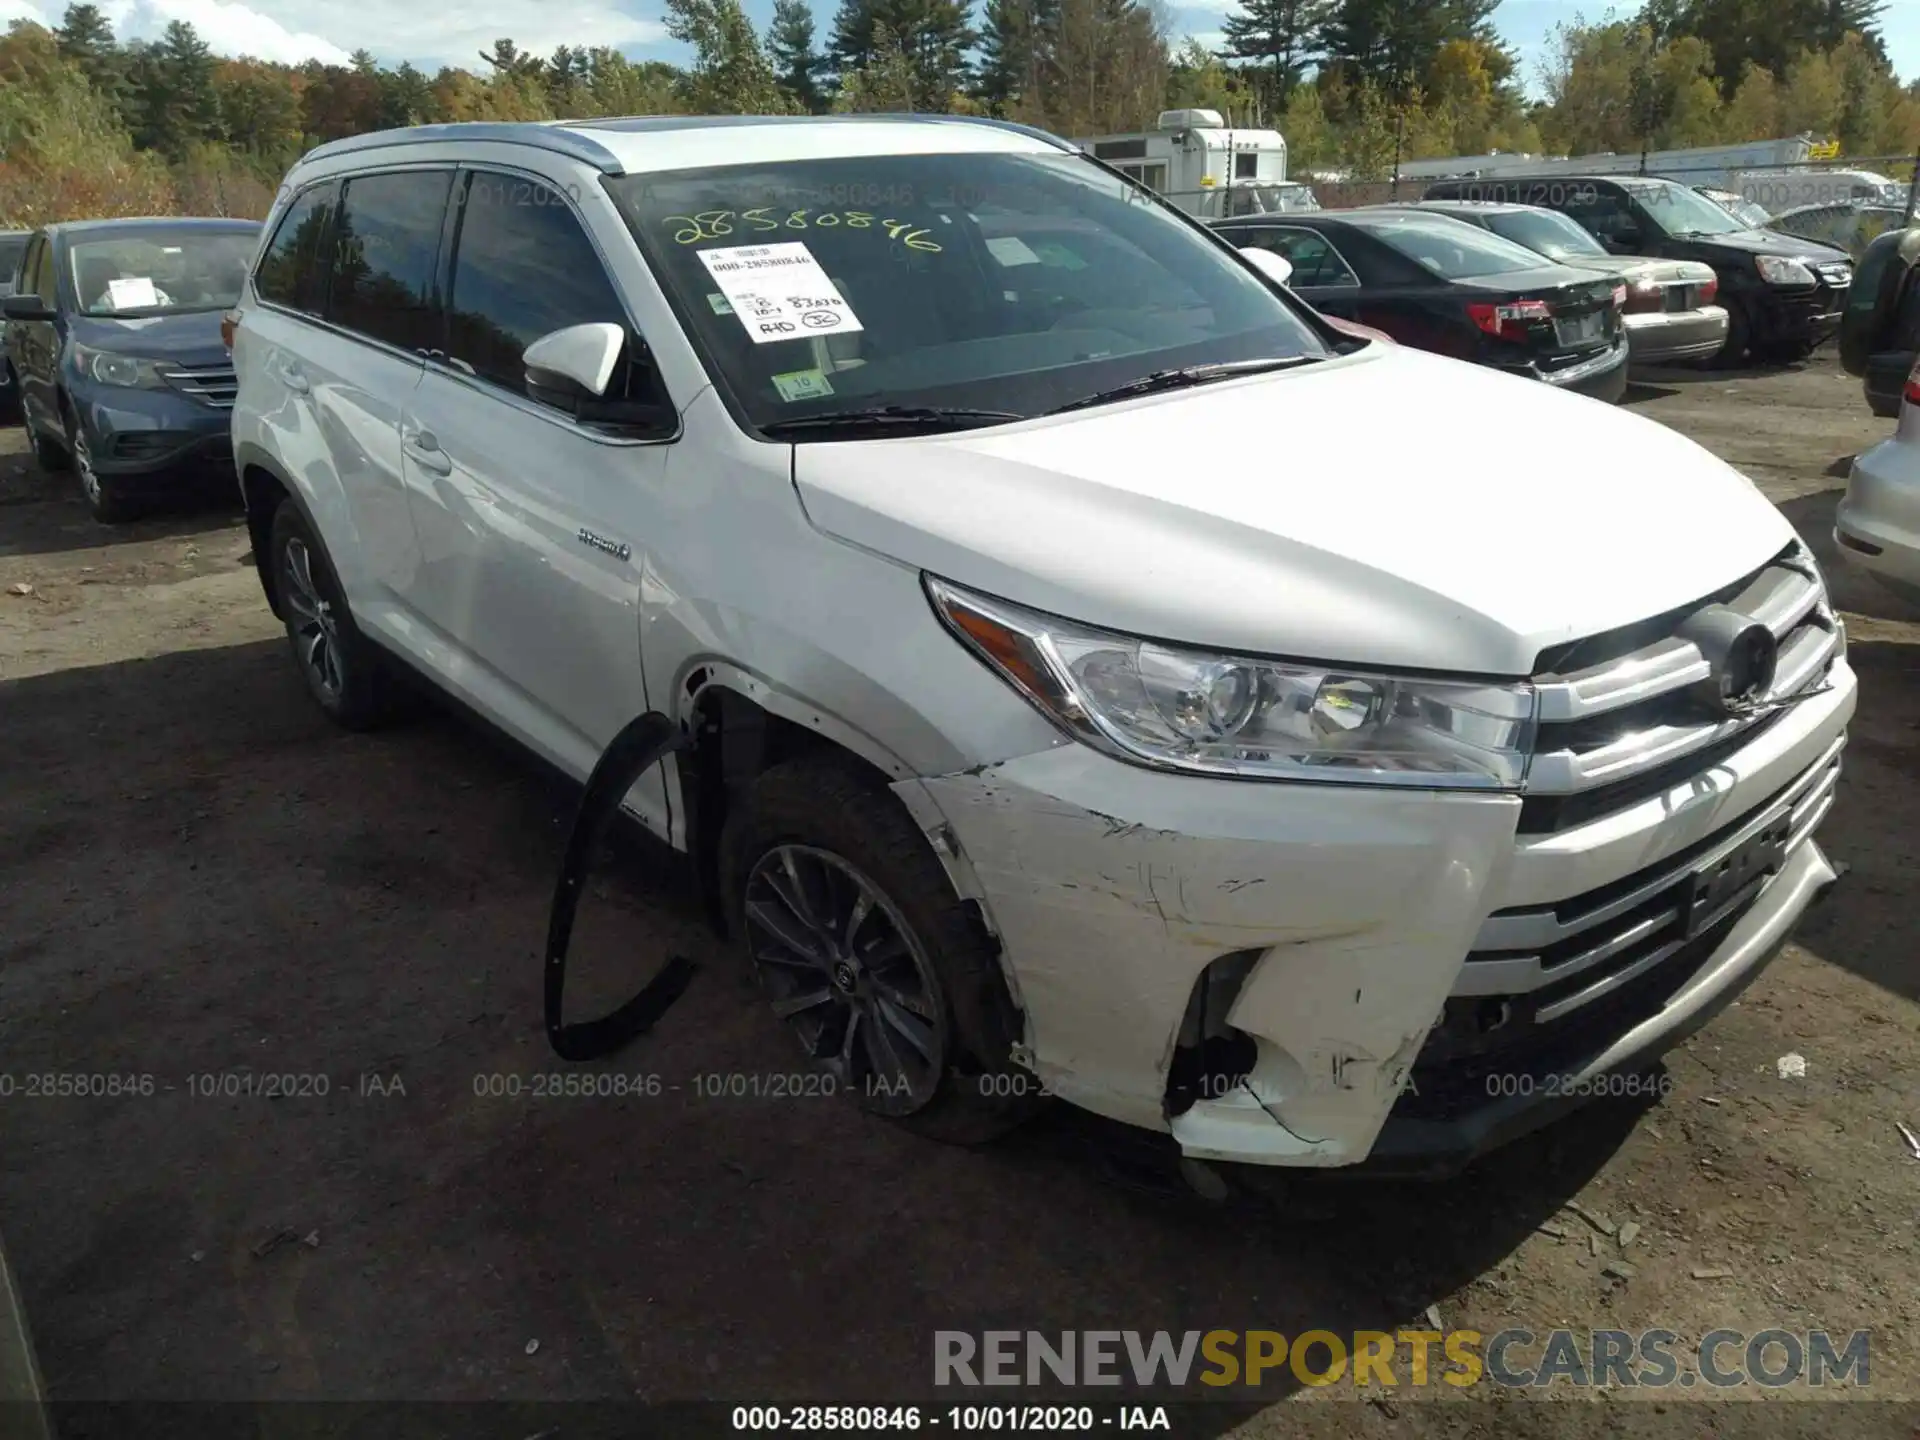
1668 310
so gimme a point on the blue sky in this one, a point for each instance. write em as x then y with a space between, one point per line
435 34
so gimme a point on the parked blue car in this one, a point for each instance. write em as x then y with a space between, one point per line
114 341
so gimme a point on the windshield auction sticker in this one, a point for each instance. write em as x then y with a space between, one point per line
779 292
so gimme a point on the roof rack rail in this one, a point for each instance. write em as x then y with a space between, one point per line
540 134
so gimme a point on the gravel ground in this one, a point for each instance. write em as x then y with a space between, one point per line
199 877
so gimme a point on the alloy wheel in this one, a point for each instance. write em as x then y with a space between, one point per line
316 632
848 976
83 463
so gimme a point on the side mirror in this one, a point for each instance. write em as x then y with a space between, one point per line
25 307
572 365
1626 242
1276 268
573 369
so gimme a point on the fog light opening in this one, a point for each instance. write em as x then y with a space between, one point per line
1211 1058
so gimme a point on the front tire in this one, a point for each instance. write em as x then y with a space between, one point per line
105 501
1733 354
879 970
49 454
344 672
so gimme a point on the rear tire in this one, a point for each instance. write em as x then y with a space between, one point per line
345 672
882 973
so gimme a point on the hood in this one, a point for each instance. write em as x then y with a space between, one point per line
192 338
1768 242
1391 508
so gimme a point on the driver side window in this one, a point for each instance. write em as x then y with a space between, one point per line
1603 212
522 268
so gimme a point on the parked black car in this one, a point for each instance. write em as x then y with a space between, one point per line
115 341
1439 284
1880 335
1783 295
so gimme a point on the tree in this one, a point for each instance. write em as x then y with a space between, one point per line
1284 35
933 36
1015 41
618 86
507 58
406 97
175 103
1394 44
86 39
797 66
260 113
886 84
730 74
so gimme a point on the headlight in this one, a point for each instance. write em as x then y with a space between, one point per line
1179 709
111 369
1779 270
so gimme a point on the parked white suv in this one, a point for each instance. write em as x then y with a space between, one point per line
1101 677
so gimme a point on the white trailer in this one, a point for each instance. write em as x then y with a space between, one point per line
1205 166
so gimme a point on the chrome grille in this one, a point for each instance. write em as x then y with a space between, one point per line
209 384
1619 717
1571 953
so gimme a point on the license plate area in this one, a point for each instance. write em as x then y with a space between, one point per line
1580 329
1713 888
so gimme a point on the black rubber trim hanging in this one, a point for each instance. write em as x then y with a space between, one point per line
630 754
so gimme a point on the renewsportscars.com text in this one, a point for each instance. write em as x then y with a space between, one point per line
1159 1359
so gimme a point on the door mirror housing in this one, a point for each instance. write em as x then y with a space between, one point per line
1626 242
25 307
1276 268
575 364
591 373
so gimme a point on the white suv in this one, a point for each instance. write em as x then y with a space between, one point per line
1099 677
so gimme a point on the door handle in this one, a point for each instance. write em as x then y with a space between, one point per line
423 448
295 378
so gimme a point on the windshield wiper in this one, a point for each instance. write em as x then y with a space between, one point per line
893 417
1186 375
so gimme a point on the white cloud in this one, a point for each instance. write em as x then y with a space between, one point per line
229 27
395 30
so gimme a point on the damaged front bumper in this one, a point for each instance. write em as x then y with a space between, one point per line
1327 975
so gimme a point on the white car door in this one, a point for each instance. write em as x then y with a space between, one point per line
532 525
368 269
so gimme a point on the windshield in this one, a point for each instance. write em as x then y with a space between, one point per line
1680 211
1451 249
155 271
1008 282
1546 231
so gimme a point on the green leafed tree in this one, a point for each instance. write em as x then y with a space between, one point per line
797 64
1280 37
175 103
1016 40
730 74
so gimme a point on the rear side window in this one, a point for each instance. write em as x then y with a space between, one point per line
522 268
1450 249
386 249
292 270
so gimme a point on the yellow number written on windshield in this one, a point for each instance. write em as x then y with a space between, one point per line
711 225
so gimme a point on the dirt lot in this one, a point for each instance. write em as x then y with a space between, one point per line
200 878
